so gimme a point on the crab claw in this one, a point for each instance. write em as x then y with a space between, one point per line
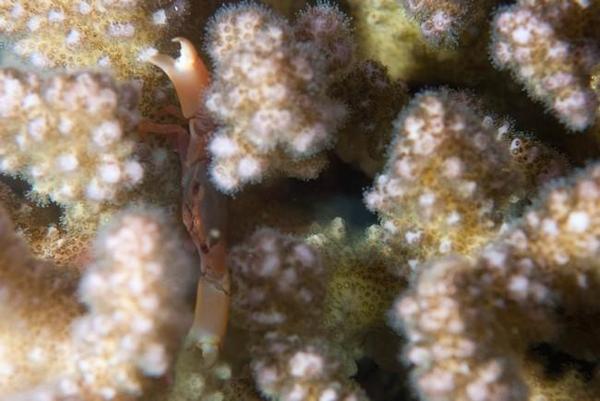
188 74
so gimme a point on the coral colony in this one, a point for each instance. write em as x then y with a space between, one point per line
290 200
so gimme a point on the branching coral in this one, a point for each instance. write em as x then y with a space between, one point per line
133 321
269 94
445 22
373 101
469 323
195 380
386 33
496 280
89 111
277 281
360 287
114 34
71 136
325 27
291 368
278 291
549 46
452 178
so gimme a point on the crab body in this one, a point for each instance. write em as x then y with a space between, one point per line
203 207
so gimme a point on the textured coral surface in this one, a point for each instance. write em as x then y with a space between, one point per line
299 200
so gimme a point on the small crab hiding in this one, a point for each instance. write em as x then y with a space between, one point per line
203 207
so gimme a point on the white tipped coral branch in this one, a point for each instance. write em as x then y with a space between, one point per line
326 27
451 176
278 281
548 45
269 97
107 34
469 323
292 368
67 135
132 316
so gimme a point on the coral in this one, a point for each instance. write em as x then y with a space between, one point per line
73 137
133 315
31 336
291 368
47 239
568 384
87 111
197 381
325 27
459 199
548 46
286 7
445 22
277 281
269 95
111 34
386 34
373 101
428 212
278 290
469 323
360 287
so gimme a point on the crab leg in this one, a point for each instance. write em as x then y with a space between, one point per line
203 206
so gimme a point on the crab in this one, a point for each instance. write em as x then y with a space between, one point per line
203 207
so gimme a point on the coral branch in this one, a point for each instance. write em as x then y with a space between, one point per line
447 22
453 175
548 45
87 111
468 324
291 368
277 280
115 35
134 293
269 94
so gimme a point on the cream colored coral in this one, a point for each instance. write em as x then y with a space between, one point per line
292 368
446 21
542 43
468 323
360 285
88 33
37 305
451 177
134 291
454 350
67 135
269 95
131 317
195 380
277 281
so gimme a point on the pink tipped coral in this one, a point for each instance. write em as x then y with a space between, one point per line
291 368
